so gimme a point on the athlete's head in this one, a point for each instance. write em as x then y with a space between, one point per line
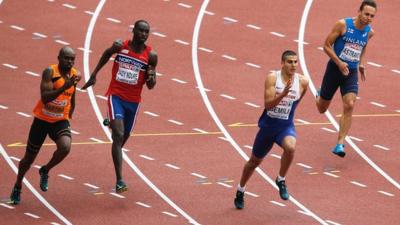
141 31
367 11
66 58
289 62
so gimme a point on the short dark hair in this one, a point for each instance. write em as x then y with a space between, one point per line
371 3
140 21
287 53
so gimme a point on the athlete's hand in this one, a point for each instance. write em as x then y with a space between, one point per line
90 82
289 84
69 82
362 72
344 68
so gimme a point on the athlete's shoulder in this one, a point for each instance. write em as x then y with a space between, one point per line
303 80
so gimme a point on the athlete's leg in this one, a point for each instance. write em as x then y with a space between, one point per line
37 135
288 145
330 84
249 168
348 100
131 111
117 127
63 144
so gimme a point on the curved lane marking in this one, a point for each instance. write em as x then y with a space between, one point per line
105 129
217 121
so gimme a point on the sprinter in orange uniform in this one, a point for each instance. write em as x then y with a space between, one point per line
52 114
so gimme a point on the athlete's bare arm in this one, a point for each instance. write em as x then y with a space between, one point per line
116 47
270 98
304 85
151 70
338 29
361 64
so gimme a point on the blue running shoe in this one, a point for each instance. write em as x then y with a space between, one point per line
44 179
318 93
282 189
120 186
339 150
239 200
15 196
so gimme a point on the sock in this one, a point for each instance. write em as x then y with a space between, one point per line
280 178
241 189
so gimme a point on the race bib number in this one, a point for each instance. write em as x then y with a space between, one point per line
351 52
55 108
281 111
128 74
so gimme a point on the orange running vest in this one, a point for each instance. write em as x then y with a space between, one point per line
59 108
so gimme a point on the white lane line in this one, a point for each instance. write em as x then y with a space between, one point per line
40 35
158 34
200 130
358 184
17 27
304 165
228 57
7 206
249 147
331 174
159 74
355 138
252 105
3 107
175 122
320 48
117 195
125 150
69 6
378 104
304 43
227 96
209 13
102 97
24 114
198 175
10 66
225 185
32 215
398 110
205 49
253 26
396 71
251 194
32 73
143 204
172 166
62 42
208 90
332 222
32 189
185 5
304 213
54 223
277 34
224 139
179 81
15 158
84 50
182 42
381 147
113 20
217 121
91 186
374 64
329 130
253 65
229 19
276 156
37 166
147 157
80 90
66 177
278 203
386 193
302 121
89 12
169 214
96 140
151 114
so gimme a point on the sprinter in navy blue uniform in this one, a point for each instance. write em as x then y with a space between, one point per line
283 90
345 46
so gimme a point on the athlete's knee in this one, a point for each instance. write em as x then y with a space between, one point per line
118 135
322 105
290 149
348 106
253 162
